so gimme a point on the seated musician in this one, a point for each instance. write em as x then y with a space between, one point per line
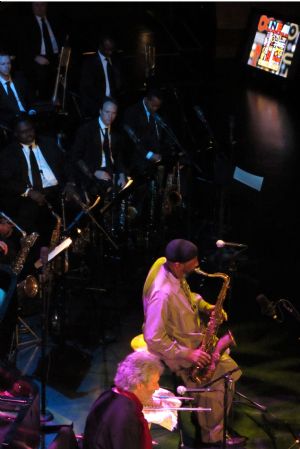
175 332
116 419
151 156
140 118
15 94
31 177
96 157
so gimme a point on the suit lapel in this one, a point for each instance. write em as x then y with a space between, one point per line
23 164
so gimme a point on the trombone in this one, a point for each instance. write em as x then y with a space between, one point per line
61 78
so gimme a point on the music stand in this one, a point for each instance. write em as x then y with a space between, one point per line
46 416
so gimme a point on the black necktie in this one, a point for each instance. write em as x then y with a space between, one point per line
111 78
37 183
11 96
47 39
106 149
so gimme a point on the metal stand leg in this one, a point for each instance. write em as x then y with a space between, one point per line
17 345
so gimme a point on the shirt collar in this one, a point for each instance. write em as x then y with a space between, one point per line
26 146
169 273
102 56
146 109
4 81
102 126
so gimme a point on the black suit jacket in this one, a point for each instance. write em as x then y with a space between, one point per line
92 84
14 179
31 39
136 118
113 423
88 148
8 108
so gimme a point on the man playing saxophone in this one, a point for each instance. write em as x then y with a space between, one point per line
173 331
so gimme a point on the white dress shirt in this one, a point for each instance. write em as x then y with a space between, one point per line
52 37
47 175
3 82
102 133
104 64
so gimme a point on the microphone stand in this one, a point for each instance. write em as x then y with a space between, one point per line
191 162
45 415
227 382
185 121
176 142
87 211
44 293
266 412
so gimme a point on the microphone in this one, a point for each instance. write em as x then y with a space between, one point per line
160 121
131 134
85 170
74 196
181 390
221 244
200 114
267 307
202 119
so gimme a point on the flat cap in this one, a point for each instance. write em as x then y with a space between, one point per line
180 250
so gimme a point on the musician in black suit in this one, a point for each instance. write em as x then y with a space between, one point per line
15 95
31 177
96 156
100 77
149 151
41 38
140 118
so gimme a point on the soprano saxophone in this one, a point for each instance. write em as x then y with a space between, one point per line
210 343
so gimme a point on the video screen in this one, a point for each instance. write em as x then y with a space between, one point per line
274 46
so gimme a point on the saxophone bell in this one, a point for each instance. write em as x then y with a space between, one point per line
29 287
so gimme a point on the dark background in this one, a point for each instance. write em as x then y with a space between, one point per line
254 119
201 50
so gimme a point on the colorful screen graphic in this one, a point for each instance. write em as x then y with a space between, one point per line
274 46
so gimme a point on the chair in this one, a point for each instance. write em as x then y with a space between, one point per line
138 343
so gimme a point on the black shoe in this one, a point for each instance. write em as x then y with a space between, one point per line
231 441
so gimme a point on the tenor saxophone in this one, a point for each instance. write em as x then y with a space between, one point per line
210 343
172 197
29 286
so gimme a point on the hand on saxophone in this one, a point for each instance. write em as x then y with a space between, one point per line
211 310
199 357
